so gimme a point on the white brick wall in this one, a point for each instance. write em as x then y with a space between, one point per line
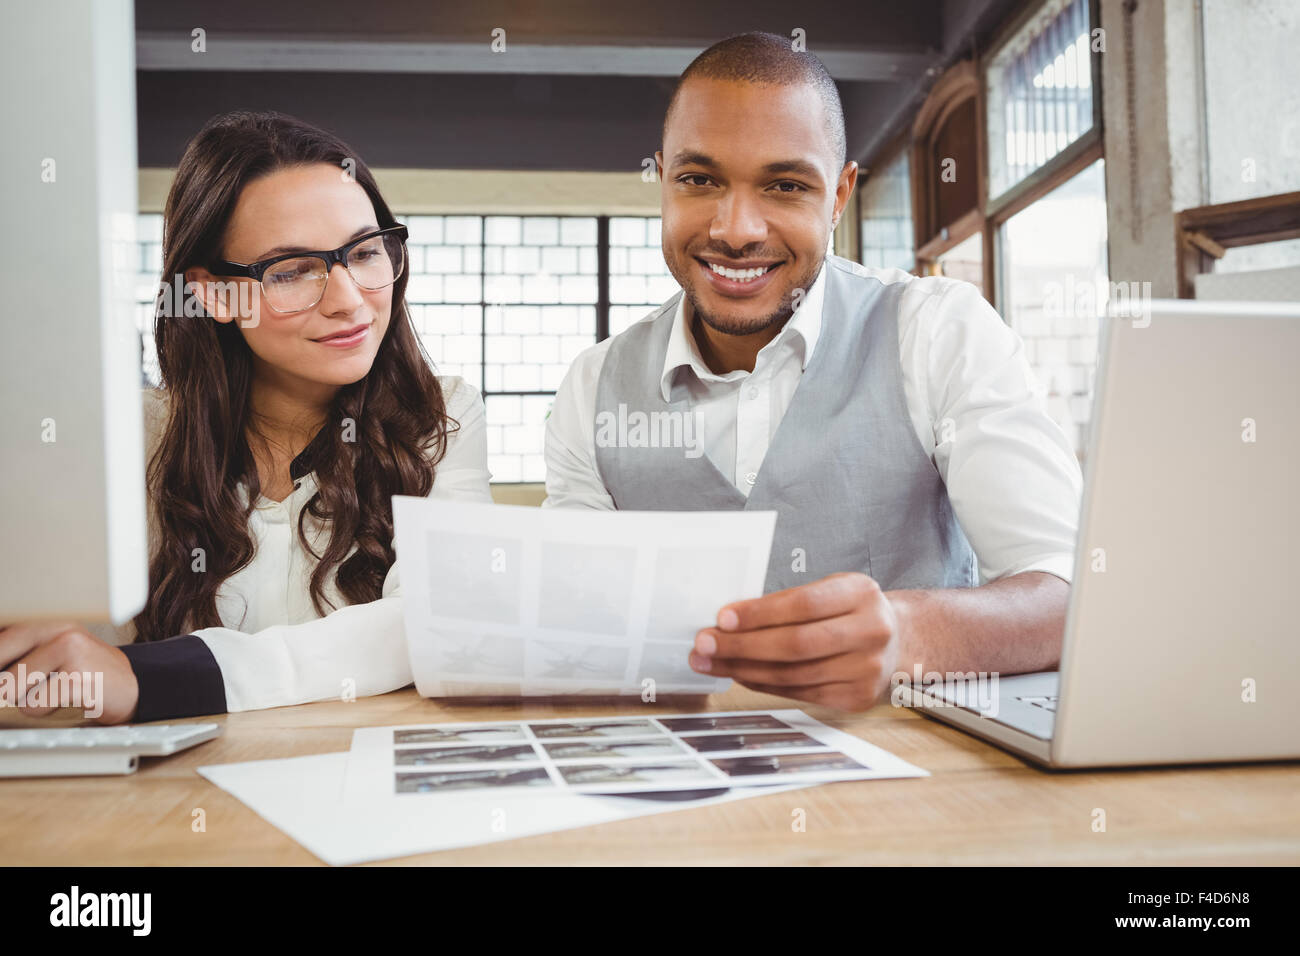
1062 351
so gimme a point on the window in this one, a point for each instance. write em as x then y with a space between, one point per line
964 261
1251 237
1251 78
886 202
639 280
505 302
1040 92
947 170
946 166
149 229
1246 242
1265 255
1056 289
1046 200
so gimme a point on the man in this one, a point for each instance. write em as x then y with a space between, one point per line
891 421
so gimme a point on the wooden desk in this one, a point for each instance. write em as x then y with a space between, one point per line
980 805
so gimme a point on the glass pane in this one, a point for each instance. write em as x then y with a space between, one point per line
149 227
541 302
443 251
463 230
965 261
1039 92
1055 288
886 201
452 335
1263 255
1263 272
639 280
422 229
445 290
516 431
1252 97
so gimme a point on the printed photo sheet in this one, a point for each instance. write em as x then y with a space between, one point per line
507 601
610 755
303 797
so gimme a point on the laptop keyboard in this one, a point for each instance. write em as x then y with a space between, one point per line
1047 703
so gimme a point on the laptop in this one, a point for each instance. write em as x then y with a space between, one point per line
1182 639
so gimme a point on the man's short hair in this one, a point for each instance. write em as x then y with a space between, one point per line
769 60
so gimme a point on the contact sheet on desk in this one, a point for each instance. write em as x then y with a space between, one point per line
515 601
613 755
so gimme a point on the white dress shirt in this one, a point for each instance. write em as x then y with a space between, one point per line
977 410
275 648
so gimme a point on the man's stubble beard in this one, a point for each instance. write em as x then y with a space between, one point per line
747 326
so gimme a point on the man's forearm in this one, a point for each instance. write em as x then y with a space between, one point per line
1011 626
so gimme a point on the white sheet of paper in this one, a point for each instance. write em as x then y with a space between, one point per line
301 796
600 755
513 601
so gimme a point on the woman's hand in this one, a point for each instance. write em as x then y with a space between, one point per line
75 668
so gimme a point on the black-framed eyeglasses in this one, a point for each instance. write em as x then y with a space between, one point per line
295 281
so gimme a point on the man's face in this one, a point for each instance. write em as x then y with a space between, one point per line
750 185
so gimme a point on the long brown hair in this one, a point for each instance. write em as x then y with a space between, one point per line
203 458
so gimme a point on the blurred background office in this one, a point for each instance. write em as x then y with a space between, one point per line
1057 153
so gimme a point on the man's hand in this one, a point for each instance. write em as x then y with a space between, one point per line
833 642
67 648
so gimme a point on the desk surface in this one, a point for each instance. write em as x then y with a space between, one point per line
981 805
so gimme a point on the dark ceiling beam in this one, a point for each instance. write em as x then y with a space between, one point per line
238 53
424 121
884 54
869 24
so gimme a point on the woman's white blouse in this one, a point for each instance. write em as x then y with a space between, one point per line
275 649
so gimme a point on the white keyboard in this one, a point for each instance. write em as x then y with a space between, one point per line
1047 703
81 751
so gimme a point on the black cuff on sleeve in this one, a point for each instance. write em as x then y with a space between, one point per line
178 677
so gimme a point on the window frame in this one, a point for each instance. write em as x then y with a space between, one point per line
1046 177
966 79
961 84
899 147
1205 233
602 285
1057 171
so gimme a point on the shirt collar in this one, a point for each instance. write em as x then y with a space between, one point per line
801 332
310 457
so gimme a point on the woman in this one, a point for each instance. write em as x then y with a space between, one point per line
296 402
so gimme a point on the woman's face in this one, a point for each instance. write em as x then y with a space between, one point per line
308 208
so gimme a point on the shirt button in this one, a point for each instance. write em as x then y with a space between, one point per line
751 478
753 392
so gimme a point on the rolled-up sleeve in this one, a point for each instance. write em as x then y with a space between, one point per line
1011 474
